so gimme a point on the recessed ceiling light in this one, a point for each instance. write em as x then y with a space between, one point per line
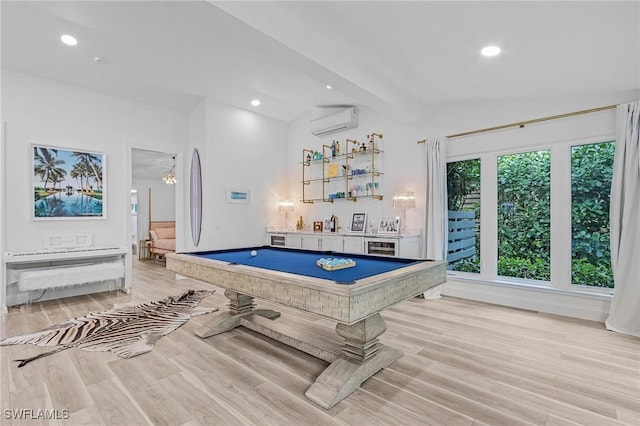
69 40
98 59
255 102
328 87
490 51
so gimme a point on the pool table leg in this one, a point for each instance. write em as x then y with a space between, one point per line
240 305
362 356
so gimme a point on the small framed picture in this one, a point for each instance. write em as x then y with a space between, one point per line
317 226
237 196
359 222
389 225
327 225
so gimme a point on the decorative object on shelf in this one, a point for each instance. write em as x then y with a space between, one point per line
195 199
57 193
333 148
335 263
358 222
300 224
317 226
332 170
404 200
389 225
337 147
326 226
334 223
170 177
286 206
237 196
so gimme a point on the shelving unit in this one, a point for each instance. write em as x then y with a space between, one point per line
347 176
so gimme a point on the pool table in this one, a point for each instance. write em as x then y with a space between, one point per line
353 297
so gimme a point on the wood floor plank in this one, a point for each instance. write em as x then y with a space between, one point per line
555 407
115 405
525 375
483 405
373 409
201 405
465 363
66 388
92 367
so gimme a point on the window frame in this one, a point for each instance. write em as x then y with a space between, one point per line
561 227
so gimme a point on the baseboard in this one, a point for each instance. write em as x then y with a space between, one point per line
589 306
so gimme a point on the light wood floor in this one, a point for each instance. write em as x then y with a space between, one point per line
464 363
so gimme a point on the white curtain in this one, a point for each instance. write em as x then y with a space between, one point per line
436 227
624 315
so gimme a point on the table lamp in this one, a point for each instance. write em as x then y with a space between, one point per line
404 200
286 206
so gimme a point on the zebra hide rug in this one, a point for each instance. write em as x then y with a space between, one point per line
126 330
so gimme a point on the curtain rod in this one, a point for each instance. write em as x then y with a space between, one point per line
521 124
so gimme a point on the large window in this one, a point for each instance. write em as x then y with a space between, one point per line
463 188
591 172
524 215
523 195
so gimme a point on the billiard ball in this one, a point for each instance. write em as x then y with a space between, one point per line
254 253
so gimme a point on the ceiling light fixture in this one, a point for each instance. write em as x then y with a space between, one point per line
69 40
328 87
170 177
98 59
255 102
490 51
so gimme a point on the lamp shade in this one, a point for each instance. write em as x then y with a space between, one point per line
285 205
404 200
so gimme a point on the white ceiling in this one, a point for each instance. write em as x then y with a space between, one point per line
401 58
150 164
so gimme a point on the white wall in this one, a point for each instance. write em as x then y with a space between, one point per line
238 149
38 111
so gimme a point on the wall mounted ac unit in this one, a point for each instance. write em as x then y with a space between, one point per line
342 120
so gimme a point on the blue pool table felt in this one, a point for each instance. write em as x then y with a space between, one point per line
303 262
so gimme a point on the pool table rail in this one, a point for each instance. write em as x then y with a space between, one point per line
347 304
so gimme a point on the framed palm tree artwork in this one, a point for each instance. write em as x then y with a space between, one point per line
68 184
